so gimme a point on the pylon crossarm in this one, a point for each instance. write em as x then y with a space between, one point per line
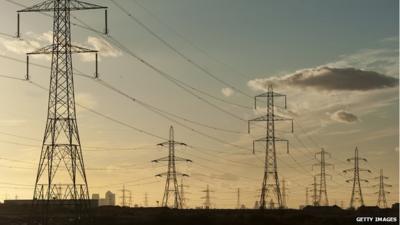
266 139
327 175
48 6
182 159
172 142
365 170
348 170
269 95
163 159
50 49
172 173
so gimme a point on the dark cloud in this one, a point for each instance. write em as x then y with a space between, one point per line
330 79
344 117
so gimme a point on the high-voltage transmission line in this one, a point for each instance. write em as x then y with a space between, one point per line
270 186
322 194
382 203
61 172
171 190
356 194
207 198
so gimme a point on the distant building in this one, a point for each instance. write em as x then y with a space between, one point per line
95 196
108 200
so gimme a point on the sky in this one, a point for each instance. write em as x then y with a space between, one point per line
337 62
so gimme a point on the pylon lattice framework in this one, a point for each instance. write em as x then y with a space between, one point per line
270 189
207 198
382 203
171 184
183 193
322 198
314 190
356 199
61 145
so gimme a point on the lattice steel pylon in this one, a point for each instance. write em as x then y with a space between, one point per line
356 199
146 200
61 146
183 194
238 199
171 183
306 202
284 194
382 203
322 192
270 189
314 195
207 198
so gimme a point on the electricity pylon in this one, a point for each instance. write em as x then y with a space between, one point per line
126 197
322 194
61 161
306 202
207 199
270 189
314 195
146 200
183 193
381 203
171 183
356 194
284 194
238 199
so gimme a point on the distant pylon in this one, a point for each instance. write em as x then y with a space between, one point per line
356 199
146 200
270 189
284 194
171 184
207 198
130 199
61 162
322 194
381 203
238 199
124 197
183 194
307 203
314 196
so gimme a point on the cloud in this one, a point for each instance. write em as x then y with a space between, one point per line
227 92
20 46
329 79
382 60
344 117
105 49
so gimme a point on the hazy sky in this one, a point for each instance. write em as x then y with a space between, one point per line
337 61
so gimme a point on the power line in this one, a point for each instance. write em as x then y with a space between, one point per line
190 42
189 60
